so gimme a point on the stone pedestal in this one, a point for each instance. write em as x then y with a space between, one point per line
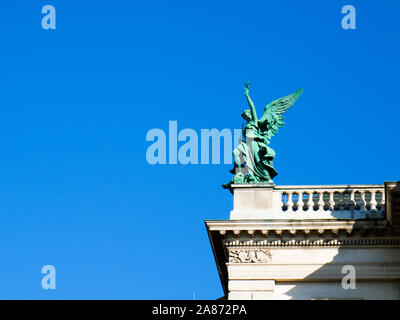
306 242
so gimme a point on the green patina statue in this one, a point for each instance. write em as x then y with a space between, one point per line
253 158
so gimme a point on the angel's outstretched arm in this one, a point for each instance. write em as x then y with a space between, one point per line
250 102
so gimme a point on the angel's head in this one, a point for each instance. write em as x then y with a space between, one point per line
246 115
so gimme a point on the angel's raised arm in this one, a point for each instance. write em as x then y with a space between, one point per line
250 102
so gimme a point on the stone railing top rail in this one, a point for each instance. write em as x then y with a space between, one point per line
338 186
296 187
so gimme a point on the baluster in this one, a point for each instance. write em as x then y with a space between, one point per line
363 202
320 203
373 201
330 201
310 201
300 202
290 201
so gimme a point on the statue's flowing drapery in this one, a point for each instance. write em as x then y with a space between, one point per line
257 156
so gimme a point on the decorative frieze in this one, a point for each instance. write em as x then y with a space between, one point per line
249 256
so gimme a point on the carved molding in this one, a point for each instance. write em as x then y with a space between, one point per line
311 243
249 256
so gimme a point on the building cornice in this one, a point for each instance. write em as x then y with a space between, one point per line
294 226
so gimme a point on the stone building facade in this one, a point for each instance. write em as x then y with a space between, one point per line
310 242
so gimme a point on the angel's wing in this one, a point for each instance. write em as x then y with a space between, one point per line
272 118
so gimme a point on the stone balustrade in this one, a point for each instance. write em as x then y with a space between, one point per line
294 242
363 198
309 202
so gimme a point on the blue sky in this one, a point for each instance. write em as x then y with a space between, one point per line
76 103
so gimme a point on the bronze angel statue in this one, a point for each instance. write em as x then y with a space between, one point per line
253 158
